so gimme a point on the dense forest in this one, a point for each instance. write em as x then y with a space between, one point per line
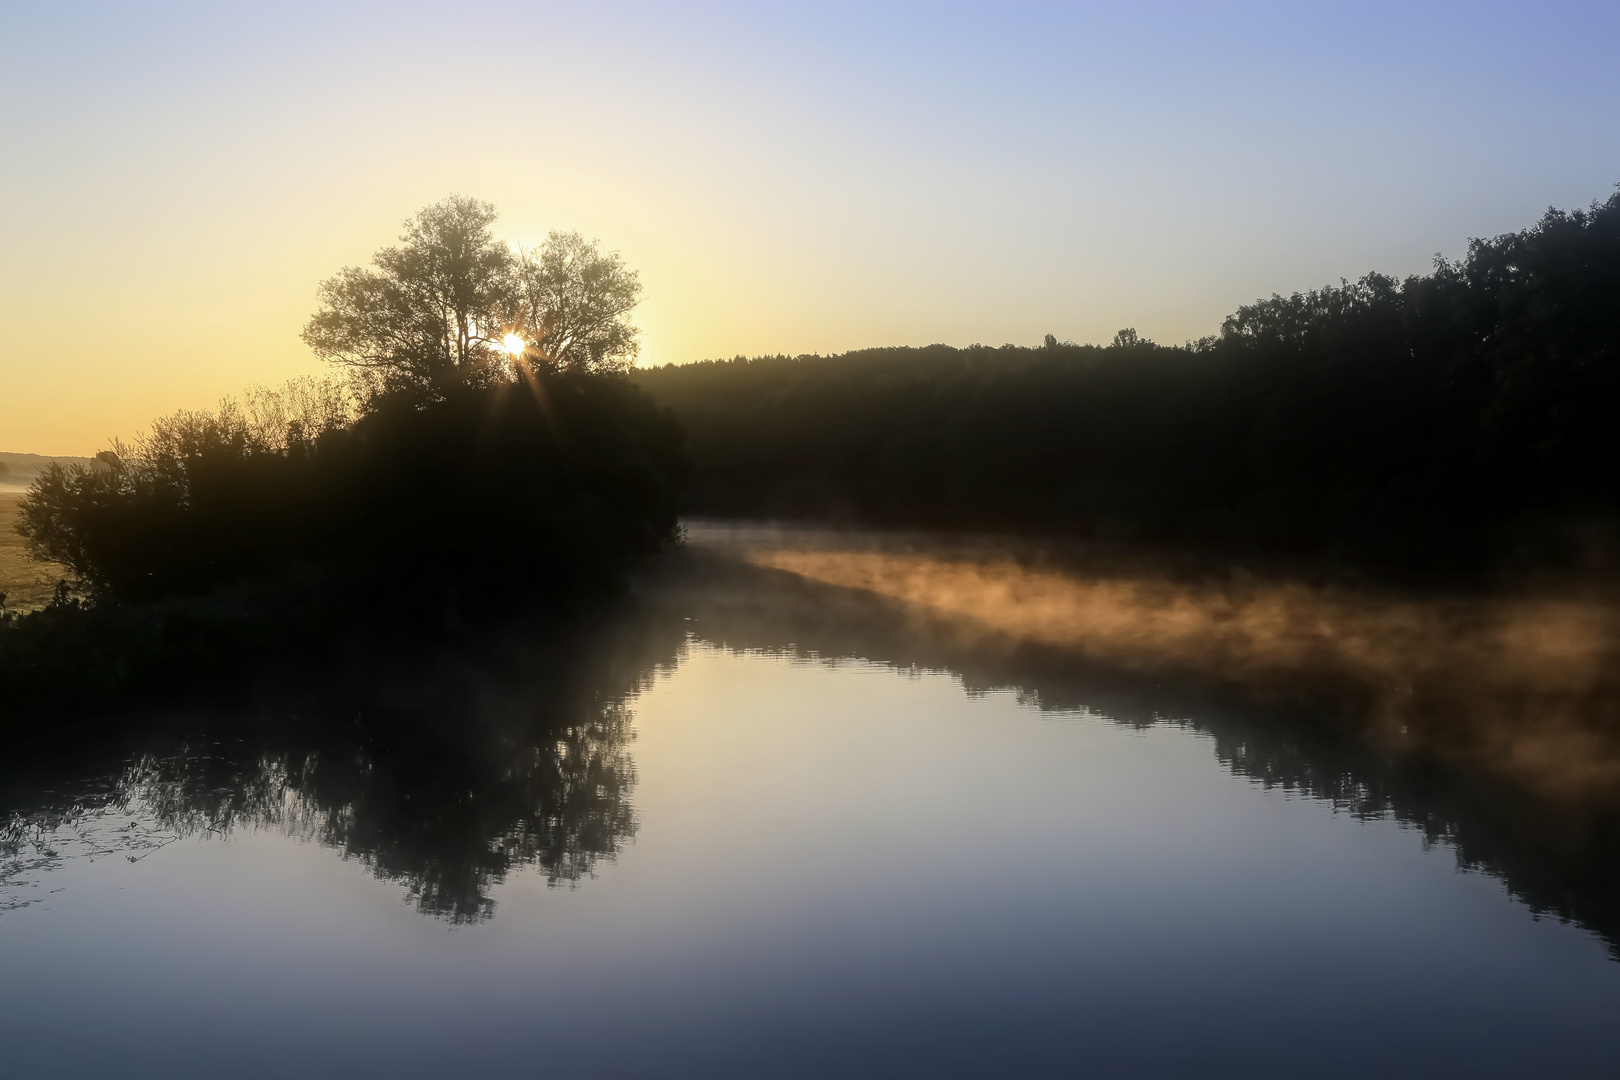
1443 424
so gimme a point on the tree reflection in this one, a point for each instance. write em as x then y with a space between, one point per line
447 824
446 775
445 785
1309 735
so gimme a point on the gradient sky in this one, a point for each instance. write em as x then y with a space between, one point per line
787 178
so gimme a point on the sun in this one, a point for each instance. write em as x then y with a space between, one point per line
513 344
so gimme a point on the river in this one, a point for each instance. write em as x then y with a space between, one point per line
769 824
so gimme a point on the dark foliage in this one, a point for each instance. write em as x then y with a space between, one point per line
481 497
443 766
1441 423
219 554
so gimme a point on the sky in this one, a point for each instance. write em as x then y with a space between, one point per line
786 178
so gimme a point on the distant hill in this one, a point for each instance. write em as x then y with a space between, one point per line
19 470
1441 424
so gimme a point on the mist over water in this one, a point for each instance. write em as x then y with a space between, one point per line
1525 685
764 824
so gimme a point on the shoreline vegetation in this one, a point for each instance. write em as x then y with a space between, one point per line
1439 431
1374 451
222 546
288 529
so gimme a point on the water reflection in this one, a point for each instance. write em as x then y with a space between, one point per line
451 774
1522 682
1559 856
446 824
445 783
97 824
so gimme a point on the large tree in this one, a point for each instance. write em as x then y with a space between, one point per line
426 313
575 304
452 304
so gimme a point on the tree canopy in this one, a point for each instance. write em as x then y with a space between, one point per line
446 307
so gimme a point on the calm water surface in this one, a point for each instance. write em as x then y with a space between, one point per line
778 834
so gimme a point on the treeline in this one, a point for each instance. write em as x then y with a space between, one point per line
1441 423
277 530
481 498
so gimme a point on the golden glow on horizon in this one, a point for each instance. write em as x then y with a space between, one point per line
218 193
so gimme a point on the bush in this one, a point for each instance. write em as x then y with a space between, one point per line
478 499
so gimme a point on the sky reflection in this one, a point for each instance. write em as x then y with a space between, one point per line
858 848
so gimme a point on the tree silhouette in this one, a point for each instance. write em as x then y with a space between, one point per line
574 305
430 312
1448 423
442 309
